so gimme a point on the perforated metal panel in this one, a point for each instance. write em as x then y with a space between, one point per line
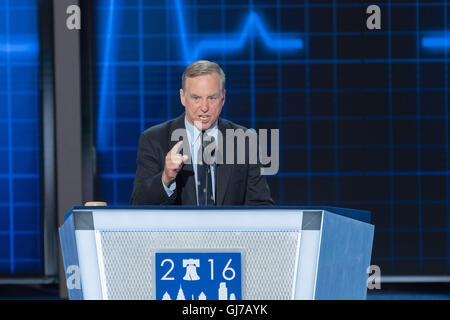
269 259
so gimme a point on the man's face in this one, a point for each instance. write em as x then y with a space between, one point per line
203 100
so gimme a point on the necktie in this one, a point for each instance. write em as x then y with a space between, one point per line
204 180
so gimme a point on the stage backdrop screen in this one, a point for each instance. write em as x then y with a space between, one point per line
20 173
362 114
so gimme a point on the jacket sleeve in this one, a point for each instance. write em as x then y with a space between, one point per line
148 188
258 191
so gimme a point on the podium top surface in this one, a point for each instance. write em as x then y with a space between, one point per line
360 215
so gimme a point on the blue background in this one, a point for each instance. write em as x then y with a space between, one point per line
204 284
20 173
363 115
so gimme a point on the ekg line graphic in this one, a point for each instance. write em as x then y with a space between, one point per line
19 44
101 132
253 27
436 42
18 47
253 23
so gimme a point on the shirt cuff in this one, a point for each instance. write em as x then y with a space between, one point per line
171 188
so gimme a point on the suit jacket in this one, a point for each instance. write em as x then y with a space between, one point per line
236 184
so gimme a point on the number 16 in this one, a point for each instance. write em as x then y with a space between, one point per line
227 268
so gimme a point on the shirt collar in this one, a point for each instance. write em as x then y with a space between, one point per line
193 131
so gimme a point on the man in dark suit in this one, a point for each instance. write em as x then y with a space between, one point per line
165 176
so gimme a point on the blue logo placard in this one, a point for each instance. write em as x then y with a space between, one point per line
198 275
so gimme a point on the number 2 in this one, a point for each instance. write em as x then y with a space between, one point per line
170 270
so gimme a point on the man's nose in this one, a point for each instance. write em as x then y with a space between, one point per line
204 106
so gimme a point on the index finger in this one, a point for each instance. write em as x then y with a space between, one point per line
176 147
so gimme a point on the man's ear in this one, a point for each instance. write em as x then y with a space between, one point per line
224 91
182 98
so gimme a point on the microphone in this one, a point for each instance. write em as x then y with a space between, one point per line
208 154
209 145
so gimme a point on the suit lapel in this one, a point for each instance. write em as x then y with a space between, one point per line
224 170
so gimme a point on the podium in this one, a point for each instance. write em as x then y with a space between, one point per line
249 253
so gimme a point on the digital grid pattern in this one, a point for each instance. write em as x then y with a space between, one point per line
363 115
20 205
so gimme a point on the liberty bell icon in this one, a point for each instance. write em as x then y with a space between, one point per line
191 266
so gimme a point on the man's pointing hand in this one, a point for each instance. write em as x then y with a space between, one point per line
173 164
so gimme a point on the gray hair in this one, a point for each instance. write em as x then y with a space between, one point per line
200 68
